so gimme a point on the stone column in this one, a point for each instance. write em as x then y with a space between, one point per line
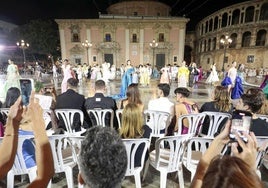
88 37
181 44
141 42
62 43
127 44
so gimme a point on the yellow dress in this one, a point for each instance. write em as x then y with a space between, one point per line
183 76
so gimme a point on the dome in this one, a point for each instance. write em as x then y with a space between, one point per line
139 8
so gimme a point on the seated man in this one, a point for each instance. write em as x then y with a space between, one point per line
99 101
253 103
162 103
102 159
72 100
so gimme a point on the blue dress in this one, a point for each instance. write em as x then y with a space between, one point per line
28 150
238 90
126 81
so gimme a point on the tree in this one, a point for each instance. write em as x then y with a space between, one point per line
43 37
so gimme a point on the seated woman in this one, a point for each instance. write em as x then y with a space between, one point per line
133 96
8 148
221 102
28 149
184 106
133 127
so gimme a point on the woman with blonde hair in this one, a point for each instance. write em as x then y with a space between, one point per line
221 102
132 122
133 127
133 96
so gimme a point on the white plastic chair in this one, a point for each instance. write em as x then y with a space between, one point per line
131 147
215 120
63 163
196 147
100 114
155 120
68 117
19 166
46 116
194 121
118 114
167 160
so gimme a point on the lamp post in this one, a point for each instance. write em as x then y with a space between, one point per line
23 45
87 45
153 45
225 42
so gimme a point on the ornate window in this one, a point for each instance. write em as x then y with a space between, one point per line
161 37
108 37
249 14
234 40
214 43
224 20
261 37
134 38
246 39
250 59
75 33
264 12
216 21
235 17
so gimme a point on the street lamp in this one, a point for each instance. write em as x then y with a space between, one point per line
23 45
225 42
87 45
153 45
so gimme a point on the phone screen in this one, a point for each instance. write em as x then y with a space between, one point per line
241 122
26 86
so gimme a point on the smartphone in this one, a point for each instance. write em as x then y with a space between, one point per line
241 122
26 86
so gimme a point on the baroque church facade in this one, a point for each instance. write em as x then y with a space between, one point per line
142 31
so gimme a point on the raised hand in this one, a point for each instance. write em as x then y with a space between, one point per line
16 110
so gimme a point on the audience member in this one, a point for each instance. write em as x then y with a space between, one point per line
12 95
238 170
72 100
99 101
47 100
8 148
102 158
259 93
253 103
184 106
133 127
133 96
162 103
221 102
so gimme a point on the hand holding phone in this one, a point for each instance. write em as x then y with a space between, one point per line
241 122
26 86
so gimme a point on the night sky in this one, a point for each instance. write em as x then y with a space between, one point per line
20 12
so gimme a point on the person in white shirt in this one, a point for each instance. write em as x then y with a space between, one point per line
162 103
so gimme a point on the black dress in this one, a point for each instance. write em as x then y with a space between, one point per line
210 107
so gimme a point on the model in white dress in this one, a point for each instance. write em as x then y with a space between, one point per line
213 77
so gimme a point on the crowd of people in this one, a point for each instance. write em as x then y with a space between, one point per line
102 158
